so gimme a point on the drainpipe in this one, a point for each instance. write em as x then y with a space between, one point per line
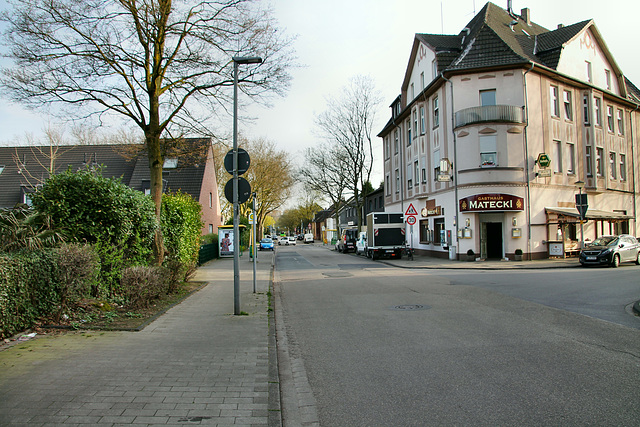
526 160
455 167
633 170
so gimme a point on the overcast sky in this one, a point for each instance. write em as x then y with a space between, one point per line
338 39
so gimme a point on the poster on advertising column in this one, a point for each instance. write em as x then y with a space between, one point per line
225 241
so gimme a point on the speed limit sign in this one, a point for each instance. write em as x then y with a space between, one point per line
411 220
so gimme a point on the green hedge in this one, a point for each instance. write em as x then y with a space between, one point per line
27 289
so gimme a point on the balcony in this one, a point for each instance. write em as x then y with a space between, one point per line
489 113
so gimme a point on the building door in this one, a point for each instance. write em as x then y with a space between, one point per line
494 239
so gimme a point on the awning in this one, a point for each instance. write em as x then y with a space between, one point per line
593 214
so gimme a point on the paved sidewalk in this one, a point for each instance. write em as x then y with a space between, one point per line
197 364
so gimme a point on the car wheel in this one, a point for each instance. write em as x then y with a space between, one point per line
638 259
615 261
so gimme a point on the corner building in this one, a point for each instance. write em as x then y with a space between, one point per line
499 127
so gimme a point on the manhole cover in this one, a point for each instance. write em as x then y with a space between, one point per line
410 307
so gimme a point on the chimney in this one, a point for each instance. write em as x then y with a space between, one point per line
525 14
560 26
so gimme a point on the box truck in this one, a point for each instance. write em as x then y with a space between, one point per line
385 235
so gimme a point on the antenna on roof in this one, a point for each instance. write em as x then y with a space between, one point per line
441 20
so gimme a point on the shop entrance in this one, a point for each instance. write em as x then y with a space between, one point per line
491 238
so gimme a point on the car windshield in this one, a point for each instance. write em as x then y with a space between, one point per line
266 241
605 241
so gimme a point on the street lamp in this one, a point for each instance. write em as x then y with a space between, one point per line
237 60
580 185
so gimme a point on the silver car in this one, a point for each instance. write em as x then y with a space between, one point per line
611 250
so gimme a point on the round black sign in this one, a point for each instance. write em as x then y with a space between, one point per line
243 161
244 190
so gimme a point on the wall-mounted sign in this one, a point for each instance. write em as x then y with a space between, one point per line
437 211
543 160
491 203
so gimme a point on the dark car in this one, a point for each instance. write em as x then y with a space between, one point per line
347 242
611 250
266 244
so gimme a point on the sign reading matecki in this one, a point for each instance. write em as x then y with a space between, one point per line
491 202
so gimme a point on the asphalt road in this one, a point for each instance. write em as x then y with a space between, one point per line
366 344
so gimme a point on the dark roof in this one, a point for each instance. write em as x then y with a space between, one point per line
495 37
26 167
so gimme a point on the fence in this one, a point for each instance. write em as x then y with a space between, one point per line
207 253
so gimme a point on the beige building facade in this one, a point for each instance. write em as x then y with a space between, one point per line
499 127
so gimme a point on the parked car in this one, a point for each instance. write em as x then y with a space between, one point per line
292 240
266 244
611 250
361 244
347 240
308 238
283 241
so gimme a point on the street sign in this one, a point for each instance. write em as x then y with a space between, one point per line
543 160
411 220
243 161
582 203
251 218
411 210
544 173
444 177
244 190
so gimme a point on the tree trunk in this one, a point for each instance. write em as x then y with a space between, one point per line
156 161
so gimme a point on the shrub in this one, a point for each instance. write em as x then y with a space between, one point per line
209 239
77 267
142 284
182 230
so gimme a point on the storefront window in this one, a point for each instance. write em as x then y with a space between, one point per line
438 227
425 235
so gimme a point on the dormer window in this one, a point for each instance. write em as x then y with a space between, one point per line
1 169
170 163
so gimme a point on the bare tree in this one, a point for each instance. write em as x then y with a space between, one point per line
325 172
348 122
164 65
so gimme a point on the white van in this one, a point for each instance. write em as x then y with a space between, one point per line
308 238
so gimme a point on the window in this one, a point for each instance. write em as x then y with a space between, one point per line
409 176
210 228
408 133
210 200
588 160
585 109
568 105
597 105
425 234
588 66
436 113
397 181
387 150
422 80
417 173
396 142
434 68
599 165
607 79
422 123
612 165
555 107
413 91
436 164
557 156
487 97
571 158
609 118
170 163
623 167
1 169
415 123
387 185
620 122
488 153
424 169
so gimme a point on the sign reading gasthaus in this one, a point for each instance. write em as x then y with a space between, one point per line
491 203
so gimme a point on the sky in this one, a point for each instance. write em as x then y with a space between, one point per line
339 39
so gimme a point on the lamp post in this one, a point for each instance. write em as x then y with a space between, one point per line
580 185
237 60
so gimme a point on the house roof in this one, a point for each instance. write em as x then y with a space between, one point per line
26 167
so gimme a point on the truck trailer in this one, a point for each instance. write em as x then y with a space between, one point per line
385 235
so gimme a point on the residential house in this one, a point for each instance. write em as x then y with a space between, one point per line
188 167
499 127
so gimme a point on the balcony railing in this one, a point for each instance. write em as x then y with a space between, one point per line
489 113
